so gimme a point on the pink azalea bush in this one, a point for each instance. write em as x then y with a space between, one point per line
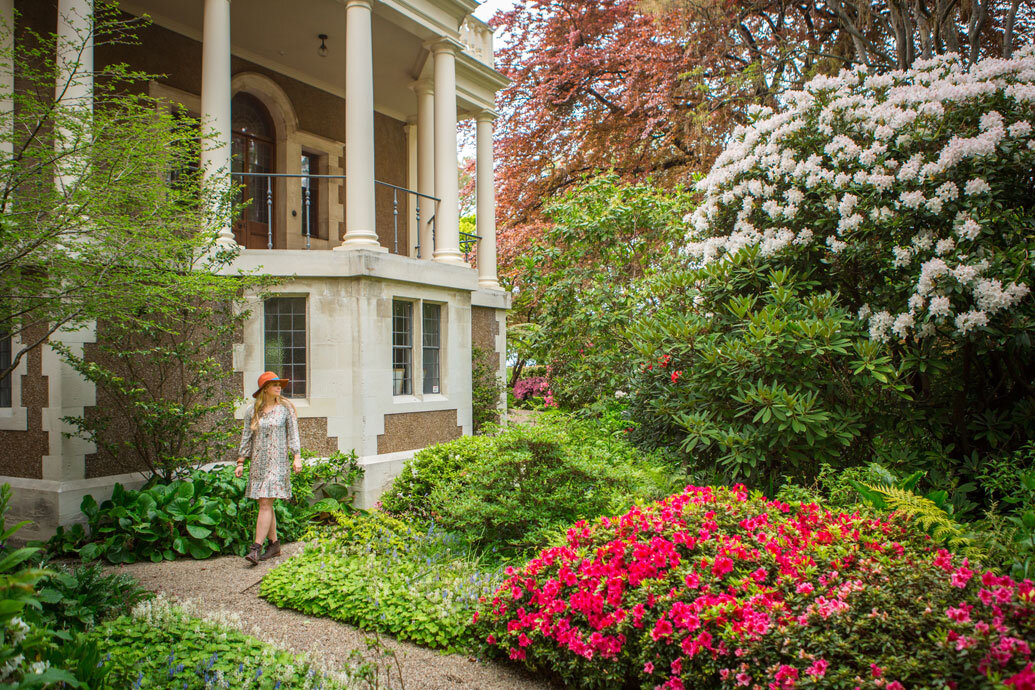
534 387
716 588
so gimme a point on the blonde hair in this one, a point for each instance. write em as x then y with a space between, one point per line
266 397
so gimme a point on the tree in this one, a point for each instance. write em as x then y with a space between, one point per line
102 209
106 223
652 90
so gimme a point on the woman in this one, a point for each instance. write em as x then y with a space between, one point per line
267 438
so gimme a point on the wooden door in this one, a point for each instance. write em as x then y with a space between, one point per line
253 150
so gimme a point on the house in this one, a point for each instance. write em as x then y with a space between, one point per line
340 118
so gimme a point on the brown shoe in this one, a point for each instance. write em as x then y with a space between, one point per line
254 552
272 550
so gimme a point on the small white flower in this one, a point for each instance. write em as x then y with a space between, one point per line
620 394
944 246
916 303
1021 128
902 324
940 306
976 186
835 244
864 312
903 257
969 320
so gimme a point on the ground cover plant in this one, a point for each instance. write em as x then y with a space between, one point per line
514 490
379 573
716 587
162 645
203 515
46 613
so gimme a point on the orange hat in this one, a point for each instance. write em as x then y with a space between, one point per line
269 377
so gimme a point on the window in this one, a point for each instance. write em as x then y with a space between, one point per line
285 336
432 338
310 196
253 150
5 361
402 347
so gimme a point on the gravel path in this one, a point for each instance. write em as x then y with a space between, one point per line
230 584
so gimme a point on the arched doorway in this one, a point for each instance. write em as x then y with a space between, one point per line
254 151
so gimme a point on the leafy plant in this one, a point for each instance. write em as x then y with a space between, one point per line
379 573
201 516
486 390
163 646
76 599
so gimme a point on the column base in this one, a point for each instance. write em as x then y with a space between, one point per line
370 244
489 283
449 256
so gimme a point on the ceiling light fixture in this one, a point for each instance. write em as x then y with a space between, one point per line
322 50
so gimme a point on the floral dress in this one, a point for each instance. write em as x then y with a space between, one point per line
268 447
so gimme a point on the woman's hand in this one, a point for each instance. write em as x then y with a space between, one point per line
239 470
297 466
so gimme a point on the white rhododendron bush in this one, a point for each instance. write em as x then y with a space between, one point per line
913 188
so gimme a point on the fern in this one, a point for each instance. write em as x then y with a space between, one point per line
931 518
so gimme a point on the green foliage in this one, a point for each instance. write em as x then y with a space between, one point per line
204 515
124 238
753 369
410 492
379 573
577 283
30 656
515 489
164 646
76 599
486 389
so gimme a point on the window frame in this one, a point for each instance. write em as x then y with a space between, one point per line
318 230
426 348
406 389
417 350
306 380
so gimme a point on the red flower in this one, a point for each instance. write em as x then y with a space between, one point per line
676 375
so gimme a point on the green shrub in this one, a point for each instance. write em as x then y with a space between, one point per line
377 573
205 515
30 653
411 490
539 478
486 390
165 646
716 588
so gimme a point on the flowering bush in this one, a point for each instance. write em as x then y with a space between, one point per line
716 588
533 387
879 225
925 176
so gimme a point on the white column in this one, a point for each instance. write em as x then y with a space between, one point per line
215 109
486 199
6 77
447 218
73 86
360 219
425 161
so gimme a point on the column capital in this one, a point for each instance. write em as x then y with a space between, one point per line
444 44
425 86
486 116
368 4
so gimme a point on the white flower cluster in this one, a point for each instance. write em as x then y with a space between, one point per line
909 159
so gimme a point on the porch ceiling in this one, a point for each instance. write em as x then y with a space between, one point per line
282 36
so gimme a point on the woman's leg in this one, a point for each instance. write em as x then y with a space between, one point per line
262 523
272 534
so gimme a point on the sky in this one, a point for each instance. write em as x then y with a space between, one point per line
490 7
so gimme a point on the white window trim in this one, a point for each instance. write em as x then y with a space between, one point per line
298 402
417 393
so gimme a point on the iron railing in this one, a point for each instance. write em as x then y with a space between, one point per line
307 204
